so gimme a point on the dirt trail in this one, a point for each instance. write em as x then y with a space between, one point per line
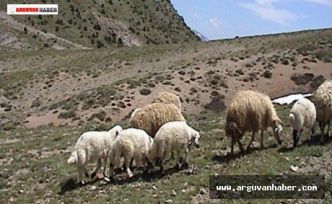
60 44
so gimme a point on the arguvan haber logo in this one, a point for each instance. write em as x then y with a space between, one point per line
32 9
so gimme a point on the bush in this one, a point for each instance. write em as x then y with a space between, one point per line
302 79
145 92
316 82
67 115
100 44
267 74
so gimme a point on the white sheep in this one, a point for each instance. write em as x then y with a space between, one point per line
131 144
251 111
302 114
173 138
90 147
167 98
322 99
151 117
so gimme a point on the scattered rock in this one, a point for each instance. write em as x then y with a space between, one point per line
145 91
169 201
92 188
294 168
202 191
173 193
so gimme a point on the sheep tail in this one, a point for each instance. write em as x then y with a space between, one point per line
73 158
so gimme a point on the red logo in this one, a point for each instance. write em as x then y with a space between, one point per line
27 10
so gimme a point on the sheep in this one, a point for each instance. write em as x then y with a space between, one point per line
151 117
302 114
132 144
90 147
251 111
168 98
173 138
322 99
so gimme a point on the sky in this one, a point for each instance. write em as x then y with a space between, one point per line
220 19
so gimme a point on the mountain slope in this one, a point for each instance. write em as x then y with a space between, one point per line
102 24
107 84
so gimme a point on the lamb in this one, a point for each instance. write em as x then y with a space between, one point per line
173 137
132 144
322 99
151 117
251 111
168 98
90 147
302 114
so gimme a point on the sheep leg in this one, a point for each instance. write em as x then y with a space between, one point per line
328 129
128 159
240 145
149 165
262 139
177 160
322 135
86 172
111 171
295 137
252 139
311 135
232 145
160 164
185 159
94 173
172 157
80 175
104 167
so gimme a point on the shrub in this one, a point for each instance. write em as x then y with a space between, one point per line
302 79
267 74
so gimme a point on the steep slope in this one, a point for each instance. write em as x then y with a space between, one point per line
98 23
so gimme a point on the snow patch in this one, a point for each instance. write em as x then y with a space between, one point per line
286 100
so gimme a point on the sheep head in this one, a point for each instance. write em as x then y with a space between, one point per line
194 137
277 130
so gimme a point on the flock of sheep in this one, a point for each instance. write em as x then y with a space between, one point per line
159 131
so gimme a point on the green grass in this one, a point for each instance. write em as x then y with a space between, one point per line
47 175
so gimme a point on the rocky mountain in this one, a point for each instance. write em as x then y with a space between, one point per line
95 23
201 36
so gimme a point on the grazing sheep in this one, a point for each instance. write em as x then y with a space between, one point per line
302 114
90 147
173 137
151 117
251 111
322 99
132 144
168 98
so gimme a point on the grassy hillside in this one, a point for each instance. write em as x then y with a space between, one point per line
48 97
105 23
35 169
